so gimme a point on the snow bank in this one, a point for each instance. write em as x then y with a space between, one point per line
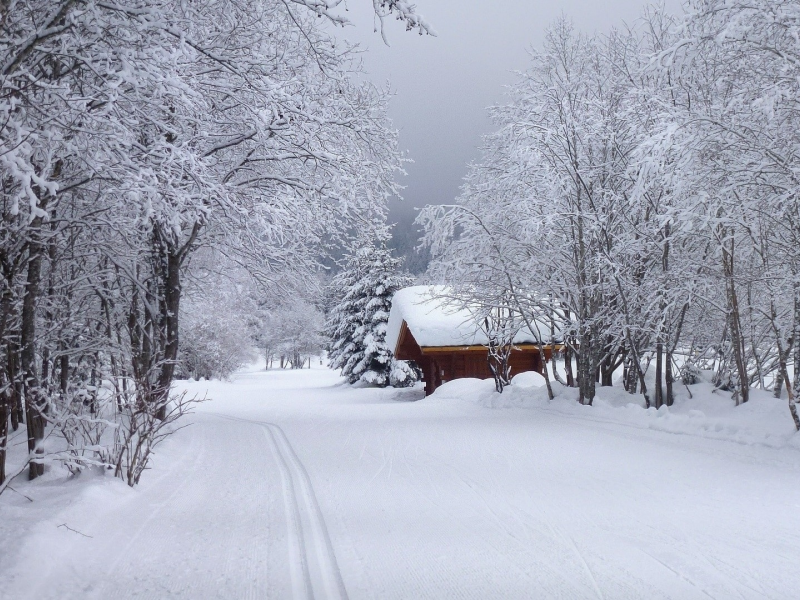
523 393
571 501
433 322
528 379
710 413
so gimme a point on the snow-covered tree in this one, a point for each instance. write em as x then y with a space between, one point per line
357 321
292 334
132 134
541 213
643 186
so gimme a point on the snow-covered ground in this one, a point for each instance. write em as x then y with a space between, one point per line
289 484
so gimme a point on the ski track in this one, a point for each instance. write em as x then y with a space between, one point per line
239 562
198 529
425 500
310 544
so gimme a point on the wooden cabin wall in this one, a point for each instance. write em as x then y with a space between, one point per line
430 373
440 366
446 366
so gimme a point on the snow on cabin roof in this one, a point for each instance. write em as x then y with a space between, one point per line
433 322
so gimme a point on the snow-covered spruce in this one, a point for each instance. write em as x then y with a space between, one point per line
357 322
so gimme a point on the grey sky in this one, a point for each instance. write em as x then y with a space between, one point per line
443 84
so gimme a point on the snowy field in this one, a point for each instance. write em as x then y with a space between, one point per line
289 484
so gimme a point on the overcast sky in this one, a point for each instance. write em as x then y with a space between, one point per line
443 84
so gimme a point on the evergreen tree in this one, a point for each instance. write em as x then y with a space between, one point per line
344 319
357 322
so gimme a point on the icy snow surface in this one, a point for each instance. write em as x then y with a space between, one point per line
291 485
435 323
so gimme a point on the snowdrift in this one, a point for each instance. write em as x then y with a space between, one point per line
709 413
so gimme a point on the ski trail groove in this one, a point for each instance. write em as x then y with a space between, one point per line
298 560
310 547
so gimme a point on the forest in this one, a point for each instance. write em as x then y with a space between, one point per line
183 182
640 193
167 166
202 292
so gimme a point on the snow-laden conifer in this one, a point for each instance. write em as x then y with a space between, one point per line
357 322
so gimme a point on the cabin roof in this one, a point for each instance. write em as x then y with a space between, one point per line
435 322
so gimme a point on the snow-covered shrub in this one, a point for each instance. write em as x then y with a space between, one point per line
404 373
142 426
82 420
690 373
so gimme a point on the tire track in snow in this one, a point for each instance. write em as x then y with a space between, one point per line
315 571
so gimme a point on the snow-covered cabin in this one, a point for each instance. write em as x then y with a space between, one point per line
447 342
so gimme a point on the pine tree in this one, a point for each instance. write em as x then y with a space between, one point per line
345 318
357 322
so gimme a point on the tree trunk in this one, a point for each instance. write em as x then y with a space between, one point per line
658 391
662 330
171 309
32 395
777 387
586 370
46 367
669 380
607 367
796 335
568 366
6 384
735 322
785 376
63 372
636 364
15 380
628 381
556 375
5 387
783 359
568 356
672 345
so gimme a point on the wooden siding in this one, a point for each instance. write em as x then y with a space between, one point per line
445 363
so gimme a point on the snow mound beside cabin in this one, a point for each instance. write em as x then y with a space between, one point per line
523 393
710 413
528 379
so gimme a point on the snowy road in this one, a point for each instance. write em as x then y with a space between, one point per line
289 485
